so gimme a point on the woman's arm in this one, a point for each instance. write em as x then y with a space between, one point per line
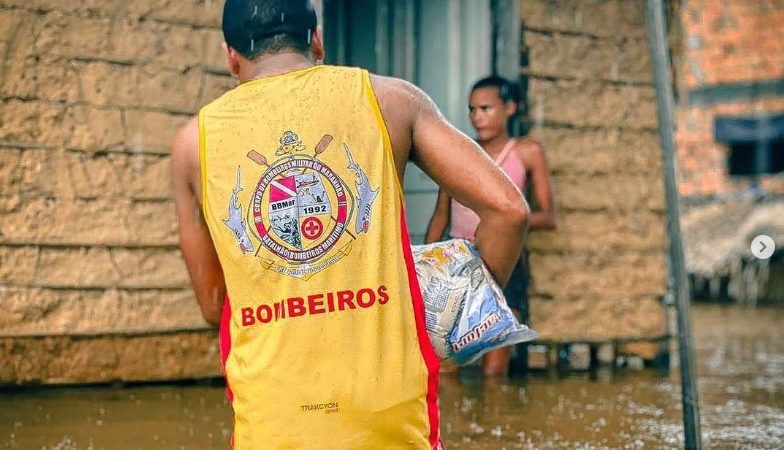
536 166
440 219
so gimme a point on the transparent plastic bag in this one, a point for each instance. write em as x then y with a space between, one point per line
465 310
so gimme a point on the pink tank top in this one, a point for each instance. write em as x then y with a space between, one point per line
462 219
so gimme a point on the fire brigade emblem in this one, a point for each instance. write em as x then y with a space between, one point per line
302 214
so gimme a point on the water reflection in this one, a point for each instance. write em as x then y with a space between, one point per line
740 360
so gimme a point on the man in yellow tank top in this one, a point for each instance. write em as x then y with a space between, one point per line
292 226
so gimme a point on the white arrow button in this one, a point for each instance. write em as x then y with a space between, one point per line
763 247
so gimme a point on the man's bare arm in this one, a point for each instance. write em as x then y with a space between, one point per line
468 175
195 242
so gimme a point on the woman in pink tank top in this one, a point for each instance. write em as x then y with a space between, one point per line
492 104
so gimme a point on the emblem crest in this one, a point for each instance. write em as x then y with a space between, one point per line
301 210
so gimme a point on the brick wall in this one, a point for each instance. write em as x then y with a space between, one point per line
92 285
724 44
592 104
732 40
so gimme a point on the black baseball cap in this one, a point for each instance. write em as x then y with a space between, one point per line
248 22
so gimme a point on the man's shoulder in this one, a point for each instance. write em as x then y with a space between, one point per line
403 93
188 134
387 82
185 148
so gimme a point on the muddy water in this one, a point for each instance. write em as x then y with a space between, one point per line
741 368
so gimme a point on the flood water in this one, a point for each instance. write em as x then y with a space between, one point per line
740 356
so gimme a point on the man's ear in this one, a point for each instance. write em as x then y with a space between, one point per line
232 60
317 43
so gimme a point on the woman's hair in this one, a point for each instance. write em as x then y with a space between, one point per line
506 89
508 92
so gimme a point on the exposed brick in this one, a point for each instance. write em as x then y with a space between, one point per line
33 123
164 45
74 36
773 184
610 192
143 177
82 6
93 267
602 231
139 86
623 275
756 105
46 78
151 131
598 17
191 12
54 311
123 40
214 58
91 222
150 268
24 40
703 167
183 47
560 55
600 152
112 175
591 103
642 317
196 12
138 42
94 129
153 222
35 178
9 163
10 24
89 176
741 42
69 359
18 264
50 124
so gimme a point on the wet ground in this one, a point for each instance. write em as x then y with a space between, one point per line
740 356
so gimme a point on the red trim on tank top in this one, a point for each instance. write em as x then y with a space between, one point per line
428 353
224 342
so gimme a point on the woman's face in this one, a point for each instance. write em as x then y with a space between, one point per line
488 112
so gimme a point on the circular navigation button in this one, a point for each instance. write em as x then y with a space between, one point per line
763 247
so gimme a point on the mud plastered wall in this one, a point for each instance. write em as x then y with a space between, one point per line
592 102
92 286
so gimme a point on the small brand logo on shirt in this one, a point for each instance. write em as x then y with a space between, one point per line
327 408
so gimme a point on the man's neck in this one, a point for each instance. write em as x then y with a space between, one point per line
274 64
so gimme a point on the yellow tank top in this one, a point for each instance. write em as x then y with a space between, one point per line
323 334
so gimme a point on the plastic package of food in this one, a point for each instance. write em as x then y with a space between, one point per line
465 310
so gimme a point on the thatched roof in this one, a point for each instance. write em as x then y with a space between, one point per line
718 234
